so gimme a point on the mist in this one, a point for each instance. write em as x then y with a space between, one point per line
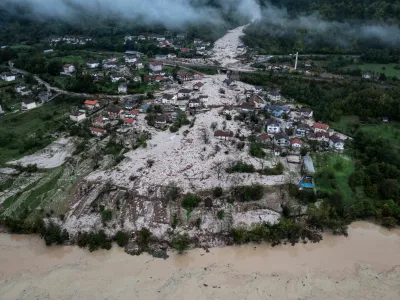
277 23
170 13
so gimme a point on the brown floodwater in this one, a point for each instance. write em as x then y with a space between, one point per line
365 265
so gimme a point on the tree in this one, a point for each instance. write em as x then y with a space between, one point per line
54 68
122 238
190 201
180 242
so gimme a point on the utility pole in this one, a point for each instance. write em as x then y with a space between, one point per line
295 64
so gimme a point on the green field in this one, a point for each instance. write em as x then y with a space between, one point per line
333 172
23 133
349 125
376 69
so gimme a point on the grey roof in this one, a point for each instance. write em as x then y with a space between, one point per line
280 135
308 164
29 101
271 122
184 91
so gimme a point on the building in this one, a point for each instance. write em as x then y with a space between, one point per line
319 136
320 127
303 130
98 131
184 93
168 99
123 88
223 135
296 143
161 120
367 75
336 143
114 112
306 112
129 121
274 96
308 166
8 77
194 103
93 64
308 63
281 140
130 59
78 116
272 126
28 104
116 77
155 66
68 69
197 86
22 90
185 75
91 104
247 108
44 96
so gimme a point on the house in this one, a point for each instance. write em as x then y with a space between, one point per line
197 86
272 126
44 96
181 36
257 101
306 112
78 116
68 69
22 90
93 64
116 77
194 103
228 81
185 50
131 114
155 66
367 75
319 136
263 138
296 143
184 75
308 63
144 108
162 120
385 119
129 121
274 96
168 99
223 135
303 130
130 59
137 78
247 108
258 89
281 140
184 93
277 111
123 88
91 104
320 127
159 79
100 121
8 77
171 56
98 131
197 41
336 143
28 104
114 112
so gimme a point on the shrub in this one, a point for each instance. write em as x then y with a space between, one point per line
106 215
180 242
218 192
241 167
190 201
221 214
228 117
256 150
248 193
122 238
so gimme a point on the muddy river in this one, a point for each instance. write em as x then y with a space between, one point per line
366 265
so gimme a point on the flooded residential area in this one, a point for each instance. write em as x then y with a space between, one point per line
365 265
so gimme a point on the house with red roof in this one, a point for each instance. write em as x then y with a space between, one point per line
91 104
155 66
98 131
320 127
129 121
296 143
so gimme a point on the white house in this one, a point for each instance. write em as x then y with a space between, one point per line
8 77
171 56
139 66
92 64
116 77
155 66
296 143
28 104
272 126
184 93
22 90
274 96
194 103
169 99
68 69
367 75
130 59
123 88
336 143
78 116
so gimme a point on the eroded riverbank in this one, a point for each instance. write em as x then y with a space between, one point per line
363 266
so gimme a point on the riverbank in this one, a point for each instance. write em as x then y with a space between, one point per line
363 266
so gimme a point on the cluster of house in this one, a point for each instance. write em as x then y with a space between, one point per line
295 132
177 43
31 103
71 40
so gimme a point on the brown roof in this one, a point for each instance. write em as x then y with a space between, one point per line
321 126
223 133
156 63
263 137
296 141
91 102
95 129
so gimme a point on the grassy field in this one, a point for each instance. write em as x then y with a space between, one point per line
333 172
23 133
350 124
376 69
